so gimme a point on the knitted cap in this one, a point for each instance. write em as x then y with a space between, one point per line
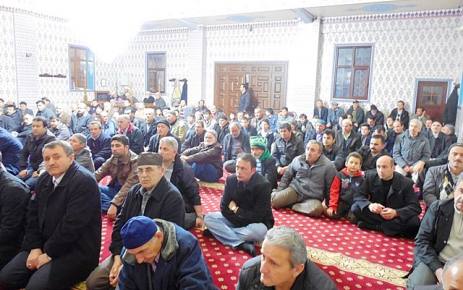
137 231
149 158
258 141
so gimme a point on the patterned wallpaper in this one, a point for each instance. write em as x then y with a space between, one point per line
406 47
276 41
7 56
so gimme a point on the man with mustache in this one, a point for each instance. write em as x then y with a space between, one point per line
440 180
439 239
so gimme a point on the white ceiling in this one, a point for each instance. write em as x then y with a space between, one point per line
316 9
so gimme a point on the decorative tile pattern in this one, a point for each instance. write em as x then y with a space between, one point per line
406 47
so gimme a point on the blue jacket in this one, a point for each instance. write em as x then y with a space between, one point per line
181 264
10 148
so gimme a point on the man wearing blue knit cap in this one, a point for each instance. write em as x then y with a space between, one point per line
161 255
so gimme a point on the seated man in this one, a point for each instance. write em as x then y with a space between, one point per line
283 265
31 157
223 129
306 181
25 129
245 212
411 151
162 130
82 154
439 239
236 142
371 153
166 247
14 196
125 127
386 202
347 139
122 169
149 128
440 180
63 233
181 175
196 138
331 151
206 158
60 130
286 147
437 140
99 144
178 128
264 160
345 185
80 120
393 135
154 197
10 148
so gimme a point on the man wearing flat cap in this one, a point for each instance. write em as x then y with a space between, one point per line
162 130
154 197
161 255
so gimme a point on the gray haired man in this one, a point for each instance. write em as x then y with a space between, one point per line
283 265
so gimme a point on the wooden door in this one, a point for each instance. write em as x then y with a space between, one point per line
432 96
267 81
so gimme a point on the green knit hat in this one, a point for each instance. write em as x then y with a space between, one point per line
258 141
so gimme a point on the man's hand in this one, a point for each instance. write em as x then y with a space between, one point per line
22 173
184 158
200 221
388 213
418 167
376 208
115 270
32 259
330 212
281 170
36 174
42 260
232 205
112 212
438 274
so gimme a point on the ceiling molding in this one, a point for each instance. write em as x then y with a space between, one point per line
393 16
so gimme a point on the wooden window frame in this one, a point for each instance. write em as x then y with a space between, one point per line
162 88
353 68
86 82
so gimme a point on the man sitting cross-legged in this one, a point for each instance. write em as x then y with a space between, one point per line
283 265
386 201
305 182
154 197
161 255
122 169
245 213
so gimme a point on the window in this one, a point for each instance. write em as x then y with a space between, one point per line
81 68
156 72
352 72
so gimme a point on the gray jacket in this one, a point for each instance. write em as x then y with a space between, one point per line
408 150
432 183
84 158
309 181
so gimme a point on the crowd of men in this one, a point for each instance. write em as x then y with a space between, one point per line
140 163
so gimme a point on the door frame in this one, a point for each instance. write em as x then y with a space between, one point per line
246 62
417 80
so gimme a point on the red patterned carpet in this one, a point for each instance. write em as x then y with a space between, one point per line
353 258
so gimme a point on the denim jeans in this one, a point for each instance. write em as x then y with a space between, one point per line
227 234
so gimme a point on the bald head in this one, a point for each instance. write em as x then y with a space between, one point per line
385 167
453 274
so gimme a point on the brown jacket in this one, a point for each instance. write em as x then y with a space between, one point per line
127 176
